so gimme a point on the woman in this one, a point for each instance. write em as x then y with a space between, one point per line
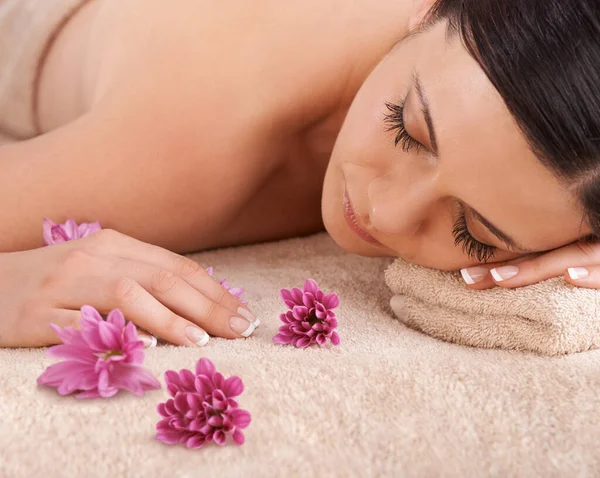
450 134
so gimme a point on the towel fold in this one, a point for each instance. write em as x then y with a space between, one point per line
27 29
549 318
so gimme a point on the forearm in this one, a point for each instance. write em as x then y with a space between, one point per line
129 175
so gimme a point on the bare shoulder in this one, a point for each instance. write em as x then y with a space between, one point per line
290 60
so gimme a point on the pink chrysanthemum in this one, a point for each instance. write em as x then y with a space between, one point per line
69 231
310 319
237 292
98 360
203 408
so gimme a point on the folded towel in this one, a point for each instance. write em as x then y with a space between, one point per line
549 318
27 29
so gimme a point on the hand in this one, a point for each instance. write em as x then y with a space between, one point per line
578 262
168 295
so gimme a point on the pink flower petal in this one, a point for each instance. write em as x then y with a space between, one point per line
90 314
241 418
311 286
88 394
331 301
335 338
187 379
233 386
219 437
109 335
116 318
238 437
303 342
197 441
72 374
205 367
71 229
169 437
74 353
281 339
85 228
206 413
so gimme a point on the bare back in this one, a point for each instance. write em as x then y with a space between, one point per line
199 126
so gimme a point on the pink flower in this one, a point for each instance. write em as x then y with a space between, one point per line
310 319
203 408
98 360
69 231
237 292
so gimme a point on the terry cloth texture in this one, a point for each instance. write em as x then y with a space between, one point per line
27 28
388 402
549 318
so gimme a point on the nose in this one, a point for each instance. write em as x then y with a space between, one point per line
401 200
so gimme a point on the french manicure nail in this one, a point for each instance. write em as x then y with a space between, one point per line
241 326
576 273
196 335
504 273
249 316
149 341
473 275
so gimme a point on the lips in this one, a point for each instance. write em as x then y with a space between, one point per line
354 223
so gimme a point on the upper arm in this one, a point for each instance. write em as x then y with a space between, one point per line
172 174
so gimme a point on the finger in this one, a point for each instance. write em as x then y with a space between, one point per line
180 297
101 281
45 336
546 266
478 277
150 341
189 270
588 277
144 310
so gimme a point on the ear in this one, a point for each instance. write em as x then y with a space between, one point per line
420 12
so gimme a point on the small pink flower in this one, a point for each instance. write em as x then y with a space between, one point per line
69 231
98 360
237 292
310 319
203 408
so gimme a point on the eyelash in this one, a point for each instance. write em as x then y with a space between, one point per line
462 237
471 246
395 121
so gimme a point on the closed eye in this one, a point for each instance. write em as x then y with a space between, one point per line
394 121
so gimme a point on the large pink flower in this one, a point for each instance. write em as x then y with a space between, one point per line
203 408
98 360
311 319
237 292
69 231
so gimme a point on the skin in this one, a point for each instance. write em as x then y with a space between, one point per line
234 139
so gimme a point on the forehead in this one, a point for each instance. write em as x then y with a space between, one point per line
484 158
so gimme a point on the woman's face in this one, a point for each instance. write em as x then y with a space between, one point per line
404 200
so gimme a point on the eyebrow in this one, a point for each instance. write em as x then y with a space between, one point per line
426 112
504 237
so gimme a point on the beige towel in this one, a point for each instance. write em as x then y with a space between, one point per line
388 402
549 318
27 28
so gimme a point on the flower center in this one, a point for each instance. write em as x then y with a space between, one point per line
112 353
58 233
312 318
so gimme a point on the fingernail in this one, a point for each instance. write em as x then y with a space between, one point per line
241 326
149 341
196 335
473 275
576 273
249 316
504 273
